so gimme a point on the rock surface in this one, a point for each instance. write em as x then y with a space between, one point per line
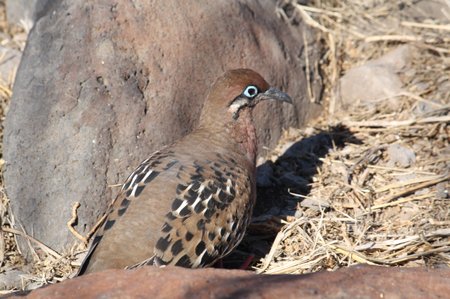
355 282
102 85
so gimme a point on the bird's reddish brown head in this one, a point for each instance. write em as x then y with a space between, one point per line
229 104
235 91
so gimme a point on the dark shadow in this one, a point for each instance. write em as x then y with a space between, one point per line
292 171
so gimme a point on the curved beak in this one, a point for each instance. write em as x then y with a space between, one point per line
275 94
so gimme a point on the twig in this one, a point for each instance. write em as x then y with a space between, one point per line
72 221
310 21
399 123
380 167
400 201
397 38
357 256
405 183
416 255
388 198
427 26
320 11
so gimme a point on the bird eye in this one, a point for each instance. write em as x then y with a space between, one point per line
250 91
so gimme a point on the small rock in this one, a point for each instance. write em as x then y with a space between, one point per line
314 203
422 191
354 88
423 108
406 177
442 190
400 156
435 10
11 279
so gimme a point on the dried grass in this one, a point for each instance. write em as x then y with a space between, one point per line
358 207
362 208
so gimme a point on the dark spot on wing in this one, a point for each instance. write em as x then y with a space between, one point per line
128 193
123 206
184 261
191 196
185 211
207 259
200 248
206 192
201 224
166 228
177 247
139 190
140 177
170 216
170 164
97 239
109 224
153 175
181 188
198 208
163 243
125 203
208 213
176 204
195 186
197 177
189 236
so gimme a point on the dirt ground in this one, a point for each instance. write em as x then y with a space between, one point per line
366 184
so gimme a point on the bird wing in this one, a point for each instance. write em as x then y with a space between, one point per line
133 187
208 215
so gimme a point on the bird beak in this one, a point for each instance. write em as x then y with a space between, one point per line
275 94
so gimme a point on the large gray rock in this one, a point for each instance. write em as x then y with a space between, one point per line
102 85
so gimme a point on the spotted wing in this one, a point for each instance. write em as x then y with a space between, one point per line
208 216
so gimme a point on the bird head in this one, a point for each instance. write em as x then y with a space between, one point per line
236 93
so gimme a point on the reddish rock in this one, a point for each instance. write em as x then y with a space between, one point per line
103 84
354 282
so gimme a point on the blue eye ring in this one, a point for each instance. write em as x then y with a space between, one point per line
250 91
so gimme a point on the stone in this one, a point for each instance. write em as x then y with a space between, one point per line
374 81
11 279
103 85
429 10
360 281
400 156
